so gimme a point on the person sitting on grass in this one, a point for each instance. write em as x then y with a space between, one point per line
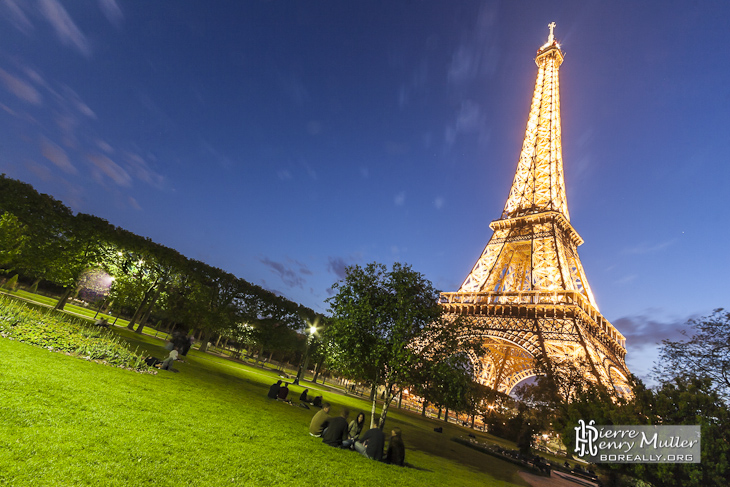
336 431
371 444
320 421
396 454
167 363
274 390
355 428
283 391
303 397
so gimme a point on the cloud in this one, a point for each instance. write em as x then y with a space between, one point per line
400 199
133 203
644 331
56 155
67 123
110 169
103 145
337 266
627 279
209 151
112 12
17 16
284 174
141 170
439 202
65 28
646 248
289 276
20 88
73 98
469 119
476 54
293 88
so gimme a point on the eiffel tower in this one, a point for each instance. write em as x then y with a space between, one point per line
528 295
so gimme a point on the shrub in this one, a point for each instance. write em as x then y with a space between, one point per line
59 332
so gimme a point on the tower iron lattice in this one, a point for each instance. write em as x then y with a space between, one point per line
527 295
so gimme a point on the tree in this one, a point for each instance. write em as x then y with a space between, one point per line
383 323
705 355
13 238
447 382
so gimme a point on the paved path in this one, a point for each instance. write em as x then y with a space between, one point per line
554 480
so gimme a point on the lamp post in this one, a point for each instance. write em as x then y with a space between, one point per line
106 298
303 364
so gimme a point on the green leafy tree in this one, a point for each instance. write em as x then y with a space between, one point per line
706 354
383 326
13 238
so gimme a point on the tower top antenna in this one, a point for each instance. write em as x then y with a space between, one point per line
551 25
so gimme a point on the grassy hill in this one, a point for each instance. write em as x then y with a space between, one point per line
67 421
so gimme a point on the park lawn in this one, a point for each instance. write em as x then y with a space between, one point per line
67 421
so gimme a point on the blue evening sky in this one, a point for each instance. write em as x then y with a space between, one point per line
283 140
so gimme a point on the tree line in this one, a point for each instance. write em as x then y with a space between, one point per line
42 240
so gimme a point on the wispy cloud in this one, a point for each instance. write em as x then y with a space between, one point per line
63 24
290 276
112 12
293 88
642 330
109 168
140 169
17 16
469 120
627 279
439 202
133 203
337 266
400 198
476 54
57 156
20 88
647 248
72 98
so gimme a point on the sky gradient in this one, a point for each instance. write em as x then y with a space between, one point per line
282 141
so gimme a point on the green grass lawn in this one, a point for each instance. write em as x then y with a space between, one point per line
66 421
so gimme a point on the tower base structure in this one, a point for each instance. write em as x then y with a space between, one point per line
515 328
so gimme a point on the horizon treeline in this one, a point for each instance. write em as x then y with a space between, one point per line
42 240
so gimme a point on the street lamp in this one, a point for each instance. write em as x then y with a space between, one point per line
305 360
108 292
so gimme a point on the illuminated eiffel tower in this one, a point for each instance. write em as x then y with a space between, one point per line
528 295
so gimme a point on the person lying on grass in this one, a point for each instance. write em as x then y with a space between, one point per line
320 421
167 363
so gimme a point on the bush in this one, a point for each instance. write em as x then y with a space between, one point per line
59 332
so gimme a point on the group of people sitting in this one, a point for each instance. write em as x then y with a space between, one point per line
280 391
335 431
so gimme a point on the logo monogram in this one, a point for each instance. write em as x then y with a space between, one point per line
585 438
